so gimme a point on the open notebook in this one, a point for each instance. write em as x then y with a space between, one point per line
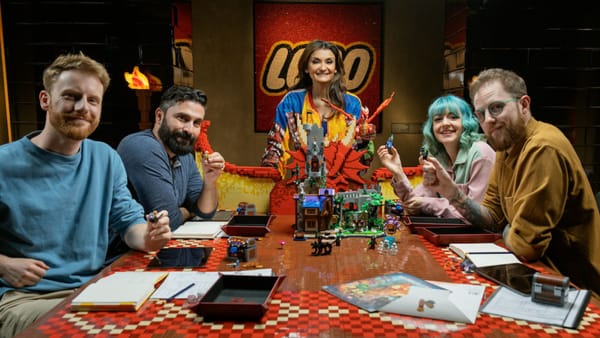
484 254
199 229
121 291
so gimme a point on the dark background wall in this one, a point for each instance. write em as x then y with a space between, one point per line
412 47
112 31
120 34
554 45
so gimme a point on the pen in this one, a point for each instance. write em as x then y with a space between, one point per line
180 292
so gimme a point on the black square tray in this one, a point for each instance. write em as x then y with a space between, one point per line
248 225
238 297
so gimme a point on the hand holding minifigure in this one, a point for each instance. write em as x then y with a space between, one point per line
423 154
429 174
213 165
437 179
390 143
390 159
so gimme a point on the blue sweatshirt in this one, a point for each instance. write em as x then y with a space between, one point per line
58 209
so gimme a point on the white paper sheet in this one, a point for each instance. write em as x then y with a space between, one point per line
178 280
456 302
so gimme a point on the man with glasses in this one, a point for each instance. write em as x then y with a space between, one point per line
539 194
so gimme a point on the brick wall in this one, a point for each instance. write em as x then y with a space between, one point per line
120 34
555 47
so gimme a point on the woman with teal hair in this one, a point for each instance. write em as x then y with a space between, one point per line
451 135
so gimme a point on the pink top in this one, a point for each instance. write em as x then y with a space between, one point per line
470 172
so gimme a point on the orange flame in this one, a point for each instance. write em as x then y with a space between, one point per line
154 82
137 79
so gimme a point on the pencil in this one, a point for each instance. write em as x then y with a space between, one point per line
490 253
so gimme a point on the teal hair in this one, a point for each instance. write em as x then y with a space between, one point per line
458 106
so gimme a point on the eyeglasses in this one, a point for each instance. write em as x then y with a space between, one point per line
495 108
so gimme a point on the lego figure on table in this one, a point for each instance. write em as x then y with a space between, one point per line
388 246
372 243
315 169
358 211
314 206
326 208
391 225
241 209
241 249
324 243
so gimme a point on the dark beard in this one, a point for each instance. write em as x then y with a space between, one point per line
184 145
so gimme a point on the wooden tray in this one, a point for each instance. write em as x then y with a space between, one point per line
415 222
248 225
457 234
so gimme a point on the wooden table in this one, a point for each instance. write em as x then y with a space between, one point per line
300 308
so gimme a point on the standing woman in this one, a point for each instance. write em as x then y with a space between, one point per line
320 76
451 135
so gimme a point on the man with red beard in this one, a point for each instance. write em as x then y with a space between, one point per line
539 194
59 194
161 165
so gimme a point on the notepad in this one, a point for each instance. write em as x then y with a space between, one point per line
484 254
507 303
121 291
199 229
462 249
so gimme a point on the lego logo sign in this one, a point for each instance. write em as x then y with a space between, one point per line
282 31
281 69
